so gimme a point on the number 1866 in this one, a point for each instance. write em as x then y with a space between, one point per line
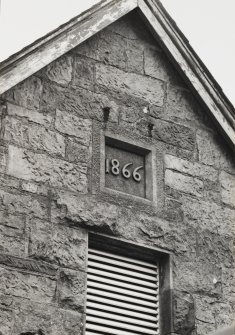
113 166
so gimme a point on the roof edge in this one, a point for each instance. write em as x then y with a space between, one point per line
192 68
61 40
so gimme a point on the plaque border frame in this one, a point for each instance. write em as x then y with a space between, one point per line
155 185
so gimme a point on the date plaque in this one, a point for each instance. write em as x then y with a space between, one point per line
126 168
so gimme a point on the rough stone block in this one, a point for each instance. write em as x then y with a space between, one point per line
60 245
146 88
208 215
191 168
32 136
34 188
214 248
198 276
111 49
26 285
72 289
84 211
186 184
29 114
174 134
78 101
228 188
158 66
184 313
6 319
204 313
29 265
212 151
26 94
3 158
76 152
134 56
60 71
212 191
9 183
32 318
107 47
12 239
44 169
70 124
83 73
181 105
24 204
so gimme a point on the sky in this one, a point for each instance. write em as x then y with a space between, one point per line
209 26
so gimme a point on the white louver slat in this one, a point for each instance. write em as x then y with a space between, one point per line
122 295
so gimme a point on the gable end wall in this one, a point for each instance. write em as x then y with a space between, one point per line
49 198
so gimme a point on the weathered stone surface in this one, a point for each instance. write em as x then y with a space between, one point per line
83 73
190 168
61 70
211 152
26 94
204 312
78 101
76 152
212 191
184 311
149 89
28 265
182 106
49 204
72 289
12 239
184 183
70 124
60 245
46 320
29 114
34 188
35 137
157 65
42 168
194 276
9 183
3 159
26 285
6 319
215 248
84 211
208 215
135 57
228 188
111 49
24 204
174 134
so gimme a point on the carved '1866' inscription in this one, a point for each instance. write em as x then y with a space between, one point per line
113 166
125 170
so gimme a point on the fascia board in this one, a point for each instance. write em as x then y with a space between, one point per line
189 66
40 54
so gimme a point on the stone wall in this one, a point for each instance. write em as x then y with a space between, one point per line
48 202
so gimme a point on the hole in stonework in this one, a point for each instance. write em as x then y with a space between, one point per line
150 129
106 111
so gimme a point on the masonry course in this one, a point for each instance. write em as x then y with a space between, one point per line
48 201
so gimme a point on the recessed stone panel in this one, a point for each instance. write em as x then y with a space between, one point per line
125 171
127 168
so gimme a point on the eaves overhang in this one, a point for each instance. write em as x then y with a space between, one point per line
68 36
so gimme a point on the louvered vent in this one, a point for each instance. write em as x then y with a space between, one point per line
122 295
